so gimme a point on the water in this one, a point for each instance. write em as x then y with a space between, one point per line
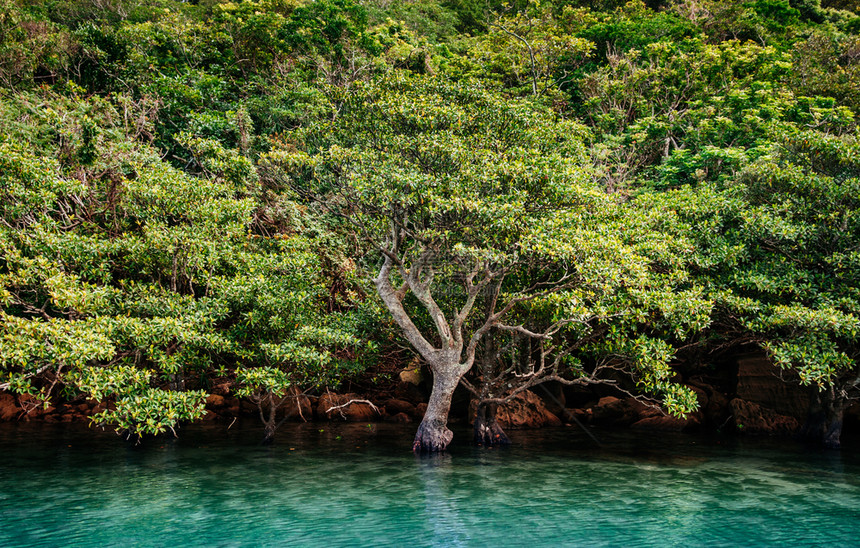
358 485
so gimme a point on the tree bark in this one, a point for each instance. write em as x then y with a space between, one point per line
269 433
824 424
433 434
488 432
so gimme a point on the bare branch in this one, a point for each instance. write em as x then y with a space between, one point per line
340 408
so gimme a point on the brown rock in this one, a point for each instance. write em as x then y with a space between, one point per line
759 382
420 409
552 393
215 401
607 401
755 419
412 375
298 407
9 409
612 411
210 416
222 389
526 410
399 418
354 412
396 407
582 415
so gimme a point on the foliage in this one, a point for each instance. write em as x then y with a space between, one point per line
123 278
645 160
778 250
471 201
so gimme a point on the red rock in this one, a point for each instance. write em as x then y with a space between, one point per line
395 407
612 411
526 410
754 419
298 406
607 401
354 412
9 409
215 401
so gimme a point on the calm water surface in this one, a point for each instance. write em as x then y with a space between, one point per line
358 485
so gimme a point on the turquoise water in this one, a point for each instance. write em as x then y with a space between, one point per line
358 485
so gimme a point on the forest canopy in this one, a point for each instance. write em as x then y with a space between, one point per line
286 195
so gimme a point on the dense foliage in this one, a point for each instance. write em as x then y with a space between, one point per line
208 192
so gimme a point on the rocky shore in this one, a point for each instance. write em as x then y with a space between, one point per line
757 401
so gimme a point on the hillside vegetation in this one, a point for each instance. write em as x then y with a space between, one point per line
285 195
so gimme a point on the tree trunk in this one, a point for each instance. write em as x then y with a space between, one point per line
270 424
269 433
488 432
824 424
433 434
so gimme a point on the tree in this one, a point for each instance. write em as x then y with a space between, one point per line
125 280
778 250
474 205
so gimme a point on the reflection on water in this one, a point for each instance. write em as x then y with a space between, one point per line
359 485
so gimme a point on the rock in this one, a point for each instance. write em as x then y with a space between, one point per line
9 409
396 407
298 407
581 415
526 410
210 416
718 409
420 409
611 411
222 389
215 401
754 419
402 418
412 375
608 401
354 412
666 423
759 382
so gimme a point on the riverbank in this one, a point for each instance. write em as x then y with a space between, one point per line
751 400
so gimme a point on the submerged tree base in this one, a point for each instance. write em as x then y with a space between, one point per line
487 431
432 437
